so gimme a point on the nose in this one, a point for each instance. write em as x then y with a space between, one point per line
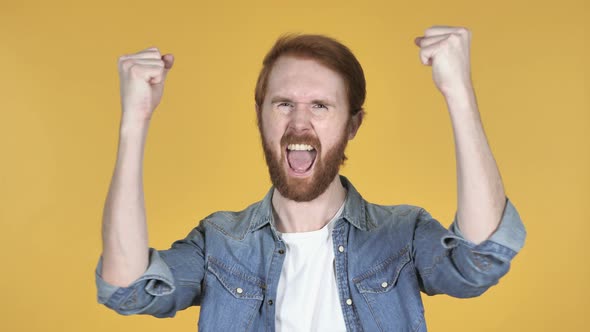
300 117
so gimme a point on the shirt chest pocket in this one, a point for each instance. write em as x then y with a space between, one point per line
390 289
382 277
232 297
239 283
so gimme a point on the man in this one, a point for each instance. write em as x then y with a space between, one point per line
313 255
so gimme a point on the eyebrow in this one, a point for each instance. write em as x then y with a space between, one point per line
280 99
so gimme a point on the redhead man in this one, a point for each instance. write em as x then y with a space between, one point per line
312 255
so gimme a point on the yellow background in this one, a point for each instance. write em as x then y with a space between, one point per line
59 130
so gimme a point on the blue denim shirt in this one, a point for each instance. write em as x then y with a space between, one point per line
229 265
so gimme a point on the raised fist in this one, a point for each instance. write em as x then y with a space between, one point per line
142 77
446 49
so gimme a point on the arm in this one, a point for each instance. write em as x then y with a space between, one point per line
171 282
130 277
448 264
481 197
124 230
480 192
487 231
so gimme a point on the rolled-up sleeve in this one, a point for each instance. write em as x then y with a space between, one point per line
449 263
158 275
171 282
510 232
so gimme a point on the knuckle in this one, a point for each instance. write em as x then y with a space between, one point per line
126 63
464 31
423 57
121 60
454 38
154 50
135 69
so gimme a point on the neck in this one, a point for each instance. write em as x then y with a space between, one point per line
295 217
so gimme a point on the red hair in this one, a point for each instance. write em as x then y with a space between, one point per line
327 51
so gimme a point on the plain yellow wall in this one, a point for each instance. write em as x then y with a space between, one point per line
60 116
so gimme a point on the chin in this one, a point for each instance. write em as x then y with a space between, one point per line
304 185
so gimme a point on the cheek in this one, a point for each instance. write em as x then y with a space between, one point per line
331 135
273 129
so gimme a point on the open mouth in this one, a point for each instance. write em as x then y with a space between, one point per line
301 158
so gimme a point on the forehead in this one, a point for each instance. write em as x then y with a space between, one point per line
304 80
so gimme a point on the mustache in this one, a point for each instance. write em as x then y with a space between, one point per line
292 138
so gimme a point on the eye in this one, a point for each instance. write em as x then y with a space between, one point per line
284 106
320 106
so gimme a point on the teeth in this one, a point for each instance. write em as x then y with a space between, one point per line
299 147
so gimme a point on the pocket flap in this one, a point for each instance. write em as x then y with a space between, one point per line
383 276
240 284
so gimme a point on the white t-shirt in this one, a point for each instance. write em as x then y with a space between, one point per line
307 295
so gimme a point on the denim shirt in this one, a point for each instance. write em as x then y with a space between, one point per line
229 265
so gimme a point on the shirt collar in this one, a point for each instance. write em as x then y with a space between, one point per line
354 209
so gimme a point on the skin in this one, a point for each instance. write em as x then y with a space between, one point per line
480 192
481 197
306 98
124 228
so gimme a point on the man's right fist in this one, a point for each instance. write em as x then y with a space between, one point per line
142 77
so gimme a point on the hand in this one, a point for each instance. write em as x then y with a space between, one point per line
446 49
142 77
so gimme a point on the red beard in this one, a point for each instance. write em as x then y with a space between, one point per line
325 169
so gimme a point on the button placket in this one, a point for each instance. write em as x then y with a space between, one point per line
277 260
341 262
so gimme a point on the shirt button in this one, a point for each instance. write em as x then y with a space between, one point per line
341 248
270 302
239 290
349 301
281 251
384 284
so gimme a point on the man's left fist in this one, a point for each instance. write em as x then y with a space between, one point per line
446 49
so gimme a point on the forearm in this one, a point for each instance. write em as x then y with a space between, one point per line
124 229
480 192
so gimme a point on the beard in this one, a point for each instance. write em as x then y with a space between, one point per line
325 168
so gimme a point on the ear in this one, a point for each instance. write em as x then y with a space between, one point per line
258 115
258 110
355 123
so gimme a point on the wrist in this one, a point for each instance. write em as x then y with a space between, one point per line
460 97
133 126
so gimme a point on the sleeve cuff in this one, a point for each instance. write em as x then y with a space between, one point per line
510 232
158 273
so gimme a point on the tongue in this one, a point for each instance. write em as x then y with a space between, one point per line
300 161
